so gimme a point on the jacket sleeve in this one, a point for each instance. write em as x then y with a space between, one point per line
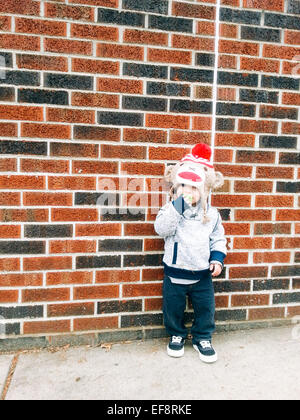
218 250
169 217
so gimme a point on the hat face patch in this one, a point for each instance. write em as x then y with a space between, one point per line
191 174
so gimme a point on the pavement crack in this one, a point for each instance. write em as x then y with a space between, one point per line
9 377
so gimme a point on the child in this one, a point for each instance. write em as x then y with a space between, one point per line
195 248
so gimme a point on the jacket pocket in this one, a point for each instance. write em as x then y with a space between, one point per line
175 253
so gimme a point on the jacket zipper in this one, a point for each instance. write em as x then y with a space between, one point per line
175 252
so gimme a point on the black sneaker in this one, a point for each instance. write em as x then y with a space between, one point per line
176 346
206 351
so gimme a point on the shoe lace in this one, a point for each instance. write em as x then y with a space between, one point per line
176 339
205 344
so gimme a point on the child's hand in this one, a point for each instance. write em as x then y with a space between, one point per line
216 269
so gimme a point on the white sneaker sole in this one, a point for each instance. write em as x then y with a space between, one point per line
206 359
175 353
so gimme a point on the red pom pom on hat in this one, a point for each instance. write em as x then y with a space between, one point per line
202 150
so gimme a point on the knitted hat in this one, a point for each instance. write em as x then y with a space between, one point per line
201 154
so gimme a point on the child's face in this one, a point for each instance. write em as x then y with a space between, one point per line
190 194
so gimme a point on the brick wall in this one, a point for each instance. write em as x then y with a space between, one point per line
100 95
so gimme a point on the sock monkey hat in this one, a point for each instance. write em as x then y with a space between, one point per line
197 170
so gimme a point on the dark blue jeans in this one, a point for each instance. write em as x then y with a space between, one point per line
203 300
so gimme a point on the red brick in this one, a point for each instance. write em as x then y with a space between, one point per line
167 153
167 121
70 309
8 129
123 152
291 99
90 324
252 243
62 11
94 167
274 201
9 264
46 166
136 36
290 128
231 200
41 62
45 295
235 140
20 7
96 32
42 327
187 42
276 5
120 51
283 53
169 56
288 215
105 3
71 183
24 215
8 296
82 65
274 172
120 85
253 215
155 304
144 169
152 274
71 277
239 47
250 300
237 228
102 229
95 100
22 182
10 231
145 289
5 23
202 123
47 263
70 116
227 94
205 28
74 150
292 37
41 27
237 258
21 280
189 137
144 136
253 186
70 247
271 257
74 215
265 313
287 243
96 292
139 229
228 31
67 46
21 113
20 42
46 131
193 10
153 245
258 64
117 276
8 165
47 199
272 229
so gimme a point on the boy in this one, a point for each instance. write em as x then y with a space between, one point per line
195 248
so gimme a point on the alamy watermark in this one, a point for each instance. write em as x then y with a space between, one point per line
296 69
2 327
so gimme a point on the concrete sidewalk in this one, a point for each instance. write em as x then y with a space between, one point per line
253 364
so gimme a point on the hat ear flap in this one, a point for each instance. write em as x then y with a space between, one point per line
219 181
168 176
